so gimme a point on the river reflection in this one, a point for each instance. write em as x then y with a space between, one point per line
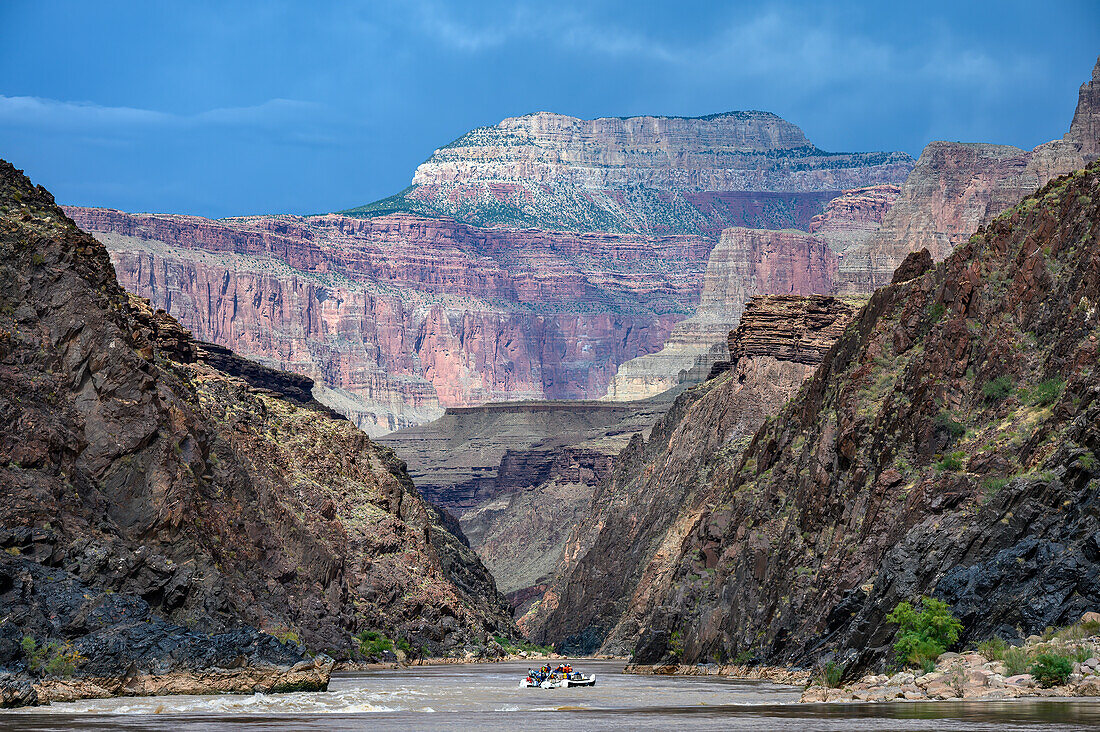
476 698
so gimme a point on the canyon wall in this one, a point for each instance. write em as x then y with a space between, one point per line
658 485
945 447
412 305
203 488
519 476
745 263
398 317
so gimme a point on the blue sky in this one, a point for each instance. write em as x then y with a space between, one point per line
223 108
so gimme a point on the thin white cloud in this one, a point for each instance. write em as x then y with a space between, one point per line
54 114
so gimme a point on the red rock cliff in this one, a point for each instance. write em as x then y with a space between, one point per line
399 316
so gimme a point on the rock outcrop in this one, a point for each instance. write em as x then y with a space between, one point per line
629 541
131 461
745 263
946 446
853 216
652 175
520 476
398 317
957 187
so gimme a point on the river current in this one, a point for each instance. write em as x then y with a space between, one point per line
483 697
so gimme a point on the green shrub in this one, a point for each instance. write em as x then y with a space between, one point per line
1016 661
997 389
993 486
55 659
1045 393
993 649
676 644
1051 669
951 461
404 646
830 675
936 312
924 635
945 421
373 644
286 635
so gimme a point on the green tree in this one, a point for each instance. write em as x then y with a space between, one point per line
924 635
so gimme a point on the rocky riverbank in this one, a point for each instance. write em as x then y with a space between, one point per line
778 674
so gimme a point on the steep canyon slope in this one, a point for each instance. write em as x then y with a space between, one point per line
214 490
946 446
658 485
519 476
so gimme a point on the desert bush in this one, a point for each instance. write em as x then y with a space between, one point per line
372 643
1016 661
830 674
1051 669
993 648
1045 393
951 461
996 390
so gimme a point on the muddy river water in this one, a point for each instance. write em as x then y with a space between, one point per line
482 697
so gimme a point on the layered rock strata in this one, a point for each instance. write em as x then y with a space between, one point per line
520 476
957 187
132 461
658 487
945 447
400 316
650 175
746 263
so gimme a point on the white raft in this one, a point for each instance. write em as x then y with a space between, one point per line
577 680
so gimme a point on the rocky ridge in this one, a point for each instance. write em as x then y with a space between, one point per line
745 263
659 485
945 447
132 461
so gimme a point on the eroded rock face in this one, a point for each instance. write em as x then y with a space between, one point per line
639 174
945 447
130 459
398 317
628 543
957 187
746 263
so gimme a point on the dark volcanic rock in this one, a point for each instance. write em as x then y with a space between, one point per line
116 641
946 446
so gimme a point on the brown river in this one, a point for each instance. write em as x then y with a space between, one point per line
482 697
